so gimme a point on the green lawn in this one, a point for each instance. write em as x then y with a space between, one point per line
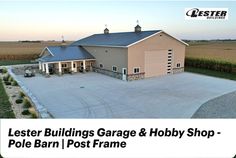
211 73
14 62
5 106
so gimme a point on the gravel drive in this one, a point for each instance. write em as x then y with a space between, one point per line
220 107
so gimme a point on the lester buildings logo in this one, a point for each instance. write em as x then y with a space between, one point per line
206 13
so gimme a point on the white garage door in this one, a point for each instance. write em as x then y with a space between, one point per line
156 63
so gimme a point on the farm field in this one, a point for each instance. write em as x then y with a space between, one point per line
23 50
217 50
26 51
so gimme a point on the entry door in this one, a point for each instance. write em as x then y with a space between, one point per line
124 72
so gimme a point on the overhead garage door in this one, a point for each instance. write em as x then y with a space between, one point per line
156 63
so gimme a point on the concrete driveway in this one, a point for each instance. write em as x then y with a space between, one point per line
94 95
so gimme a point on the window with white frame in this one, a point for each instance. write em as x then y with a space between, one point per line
136 70
114 68
101 65
63 65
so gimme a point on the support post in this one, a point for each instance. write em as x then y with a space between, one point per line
72 67
43 68
40 66
59 68
47 70
75 69
84 66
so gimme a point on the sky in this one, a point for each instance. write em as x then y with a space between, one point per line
49 20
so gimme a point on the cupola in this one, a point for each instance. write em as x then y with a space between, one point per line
137 28
106 31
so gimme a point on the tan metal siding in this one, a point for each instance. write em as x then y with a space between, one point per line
109 56
162 41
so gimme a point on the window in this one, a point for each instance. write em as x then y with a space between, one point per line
81 64
169 65
169 56
73 65
178 65
106 51
114 68
169 62
170 50
136 70
63 65
168 69
101 65
170 53
91 64
169 59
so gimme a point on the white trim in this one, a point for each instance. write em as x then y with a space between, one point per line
69 61
116 68
136 68
143 39
154 35
176 38
43 67
72 66
59 67
102 65
63 65
47 70
178 66
124 75
84 64
75 68
48 51
40 65
42 52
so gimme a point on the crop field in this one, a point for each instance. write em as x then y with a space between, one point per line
23 50
26 51
217 50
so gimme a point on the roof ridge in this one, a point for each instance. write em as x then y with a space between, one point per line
125 32
64 46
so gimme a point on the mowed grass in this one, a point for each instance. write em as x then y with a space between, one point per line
217 50
211 73
14 62
5 106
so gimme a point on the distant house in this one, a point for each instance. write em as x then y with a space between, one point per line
126 55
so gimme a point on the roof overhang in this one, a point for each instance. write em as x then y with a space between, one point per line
46 48
161 31
66 60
